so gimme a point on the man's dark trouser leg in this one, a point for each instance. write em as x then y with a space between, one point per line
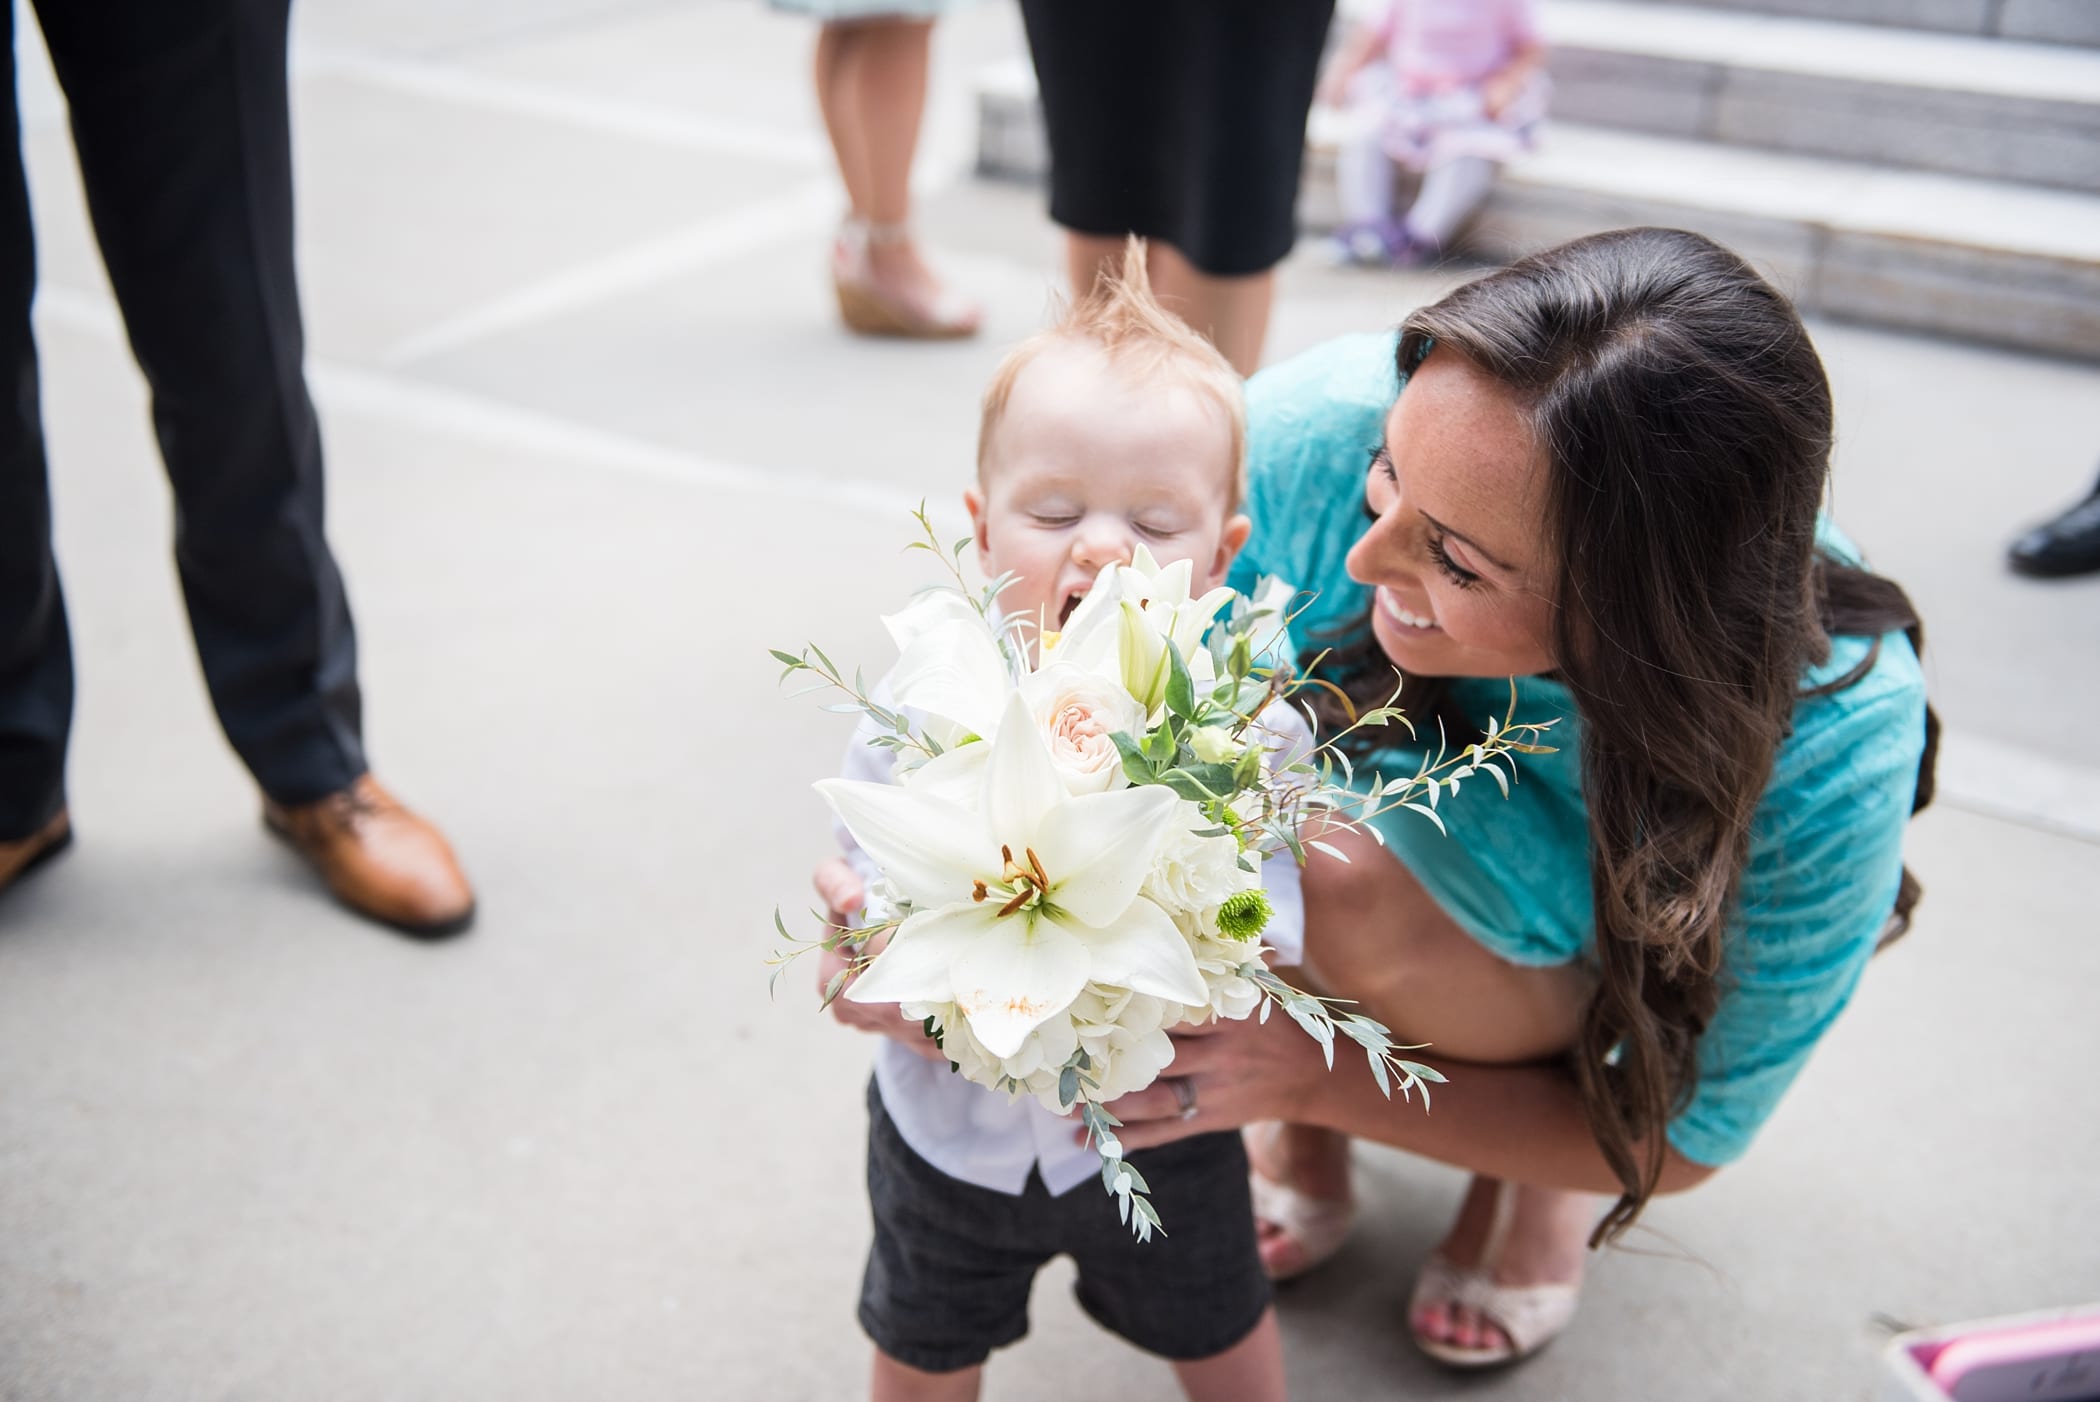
36 662
181 119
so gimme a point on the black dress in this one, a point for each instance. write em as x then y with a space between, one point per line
1180 120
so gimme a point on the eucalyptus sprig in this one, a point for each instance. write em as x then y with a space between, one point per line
894 729
856 938
1324 1018
1124 1183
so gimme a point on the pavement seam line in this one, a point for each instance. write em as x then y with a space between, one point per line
630 269
465 87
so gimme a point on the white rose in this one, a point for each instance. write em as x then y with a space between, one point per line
1191 872
1078 711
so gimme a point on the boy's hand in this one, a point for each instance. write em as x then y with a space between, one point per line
843 894
840 888
886 1019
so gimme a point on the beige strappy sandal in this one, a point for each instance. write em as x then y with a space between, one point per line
871 311
1529 1316
1318 1225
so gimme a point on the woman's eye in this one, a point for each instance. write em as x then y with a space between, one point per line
1455 572
1382 484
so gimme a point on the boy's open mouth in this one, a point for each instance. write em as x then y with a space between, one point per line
1064 614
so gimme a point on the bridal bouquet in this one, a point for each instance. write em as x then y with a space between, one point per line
1069 850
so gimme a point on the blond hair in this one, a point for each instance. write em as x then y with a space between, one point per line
1141 338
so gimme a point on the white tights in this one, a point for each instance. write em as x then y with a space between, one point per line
1450 192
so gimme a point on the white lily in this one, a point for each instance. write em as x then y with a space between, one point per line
950 669
1021 900
1126 620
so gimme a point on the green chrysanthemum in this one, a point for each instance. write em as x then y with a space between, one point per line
1244 914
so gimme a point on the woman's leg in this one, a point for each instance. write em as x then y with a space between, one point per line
835 43
1375 935
1250 1371
871 87
885 97
1232 311
1451 194
1086 255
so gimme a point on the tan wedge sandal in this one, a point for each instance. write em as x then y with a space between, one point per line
871 311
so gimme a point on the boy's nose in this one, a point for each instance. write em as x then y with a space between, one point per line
1099 545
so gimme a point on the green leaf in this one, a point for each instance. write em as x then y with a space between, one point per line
1068 1086
1159 745
1247 772
1136 767
788 657
1181 689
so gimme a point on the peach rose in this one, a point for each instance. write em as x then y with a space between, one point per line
1078 711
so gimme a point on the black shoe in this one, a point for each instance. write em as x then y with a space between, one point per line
2067 546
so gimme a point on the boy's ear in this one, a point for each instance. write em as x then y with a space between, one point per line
1237 529
973 502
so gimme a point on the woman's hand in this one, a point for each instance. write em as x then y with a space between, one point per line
843 894
1239 1073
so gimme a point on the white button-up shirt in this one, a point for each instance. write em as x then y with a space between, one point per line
980 1135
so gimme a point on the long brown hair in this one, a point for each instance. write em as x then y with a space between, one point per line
1686 422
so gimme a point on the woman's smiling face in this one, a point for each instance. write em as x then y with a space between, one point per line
1456 555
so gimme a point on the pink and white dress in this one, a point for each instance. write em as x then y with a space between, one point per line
1424 98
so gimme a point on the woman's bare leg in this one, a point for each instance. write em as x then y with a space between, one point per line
885 100
834 71
1232 311
1087 254
1250 1371
871 88
1372 930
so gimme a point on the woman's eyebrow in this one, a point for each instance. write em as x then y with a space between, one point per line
1469 543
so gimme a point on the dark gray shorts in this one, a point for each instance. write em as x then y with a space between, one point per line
952 1263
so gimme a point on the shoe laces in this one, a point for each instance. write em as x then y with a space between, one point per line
349 807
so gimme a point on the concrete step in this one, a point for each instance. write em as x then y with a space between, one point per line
1983 260
2012 265
1995 108
2045 21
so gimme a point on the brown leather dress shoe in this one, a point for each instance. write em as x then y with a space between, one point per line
379 859
24 855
